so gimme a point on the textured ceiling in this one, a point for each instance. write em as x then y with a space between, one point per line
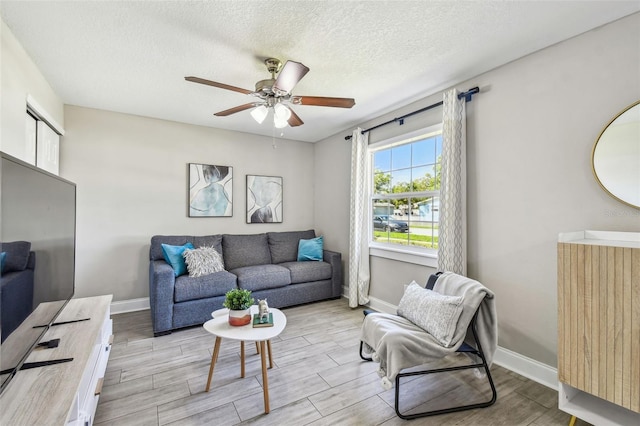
132 56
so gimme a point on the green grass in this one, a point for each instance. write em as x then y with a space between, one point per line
407 239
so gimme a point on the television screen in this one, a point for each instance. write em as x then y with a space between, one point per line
37 241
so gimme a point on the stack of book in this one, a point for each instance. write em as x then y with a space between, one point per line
266 322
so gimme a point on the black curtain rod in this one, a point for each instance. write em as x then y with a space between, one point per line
466 95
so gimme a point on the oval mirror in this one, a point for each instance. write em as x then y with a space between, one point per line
616 156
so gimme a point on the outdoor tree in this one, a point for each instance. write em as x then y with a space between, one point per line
428 182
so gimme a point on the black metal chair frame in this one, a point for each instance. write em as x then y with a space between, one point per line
464 348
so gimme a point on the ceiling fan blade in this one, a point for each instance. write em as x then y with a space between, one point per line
234 110
216 84
323 101
294 120
291 74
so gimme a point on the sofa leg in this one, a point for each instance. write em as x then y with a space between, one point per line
161 333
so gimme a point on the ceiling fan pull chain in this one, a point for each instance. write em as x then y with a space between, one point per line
273 137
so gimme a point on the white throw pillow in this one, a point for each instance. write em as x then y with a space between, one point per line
436 313
203 261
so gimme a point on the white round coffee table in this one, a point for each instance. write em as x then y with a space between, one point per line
219 326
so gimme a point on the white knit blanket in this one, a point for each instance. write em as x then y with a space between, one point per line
397 343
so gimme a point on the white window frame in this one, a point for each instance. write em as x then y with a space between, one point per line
410 254
43 146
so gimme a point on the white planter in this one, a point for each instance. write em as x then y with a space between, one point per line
238 318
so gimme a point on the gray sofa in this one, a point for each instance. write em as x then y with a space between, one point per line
16 285
264 263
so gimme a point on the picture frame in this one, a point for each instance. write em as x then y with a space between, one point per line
210 190
264 199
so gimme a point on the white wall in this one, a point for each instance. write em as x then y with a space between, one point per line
19 77
132 183
530 135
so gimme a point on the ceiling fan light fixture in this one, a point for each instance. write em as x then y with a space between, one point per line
259 113
281 112
279 124
281 115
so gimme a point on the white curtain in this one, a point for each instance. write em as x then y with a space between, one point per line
452 234
359 223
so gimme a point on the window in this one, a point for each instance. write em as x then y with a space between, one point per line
42 138
405 192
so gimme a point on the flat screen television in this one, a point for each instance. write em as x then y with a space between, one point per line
36 208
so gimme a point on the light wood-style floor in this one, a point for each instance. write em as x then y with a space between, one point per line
317 379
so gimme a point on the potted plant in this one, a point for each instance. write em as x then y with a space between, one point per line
239 302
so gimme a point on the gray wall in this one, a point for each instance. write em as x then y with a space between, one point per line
132 178
19 77
530 135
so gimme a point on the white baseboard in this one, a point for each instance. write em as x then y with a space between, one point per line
382 306
527 367
131 305
523 365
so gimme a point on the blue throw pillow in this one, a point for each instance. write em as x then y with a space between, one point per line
3 256
173 256
310 249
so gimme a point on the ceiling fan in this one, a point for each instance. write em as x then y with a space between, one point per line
275 93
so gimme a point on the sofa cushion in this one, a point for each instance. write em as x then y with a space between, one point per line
173 256
214 241
310 250
245 250
17 255
262 277
203 261
284 245
155 251
193 288
302 272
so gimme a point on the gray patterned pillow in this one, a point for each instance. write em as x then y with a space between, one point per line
436 313
203 261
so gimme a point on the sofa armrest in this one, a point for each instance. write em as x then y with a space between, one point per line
335 260
161 288
31 262
17 299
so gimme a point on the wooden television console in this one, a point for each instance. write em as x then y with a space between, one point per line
68 392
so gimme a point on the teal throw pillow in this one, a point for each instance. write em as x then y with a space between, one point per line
173 256
3 256
310 249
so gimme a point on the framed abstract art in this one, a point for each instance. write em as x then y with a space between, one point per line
264 199
210 190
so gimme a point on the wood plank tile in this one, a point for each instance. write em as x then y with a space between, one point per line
346 394
336 376
148 417
201 402
296 371
370 411
514 409
310 366
224 415
297 413
539 393
161 365
110 410
126 389
280 396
